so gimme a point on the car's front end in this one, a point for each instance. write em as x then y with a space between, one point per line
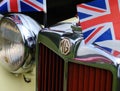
65 63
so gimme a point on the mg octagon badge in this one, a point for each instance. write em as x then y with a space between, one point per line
65 46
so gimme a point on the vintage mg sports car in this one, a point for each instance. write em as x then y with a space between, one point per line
69 56
64 62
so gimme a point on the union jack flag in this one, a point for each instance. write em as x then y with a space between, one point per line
100 20
21 5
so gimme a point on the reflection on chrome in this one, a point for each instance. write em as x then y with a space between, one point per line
18 36
11 56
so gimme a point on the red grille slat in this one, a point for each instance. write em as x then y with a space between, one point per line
49 74
56 75
88 78
108 81
52 73
75 76
97 77
81 78
103 76
70 78
61 76
46 70
50 70
91 80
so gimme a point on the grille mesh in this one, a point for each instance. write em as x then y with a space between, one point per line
50 70
80 77
85 78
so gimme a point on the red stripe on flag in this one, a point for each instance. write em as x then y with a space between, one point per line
37 7
116 53
94 33
14 5
91 8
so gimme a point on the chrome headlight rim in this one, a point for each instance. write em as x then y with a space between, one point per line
29 56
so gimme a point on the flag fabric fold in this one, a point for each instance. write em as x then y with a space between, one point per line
100 21
22 6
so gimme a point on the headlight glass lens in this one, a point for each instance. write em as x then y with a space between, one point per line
18 37
12 48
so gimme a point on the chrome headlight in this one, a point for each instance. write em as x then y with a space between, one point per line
18 35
